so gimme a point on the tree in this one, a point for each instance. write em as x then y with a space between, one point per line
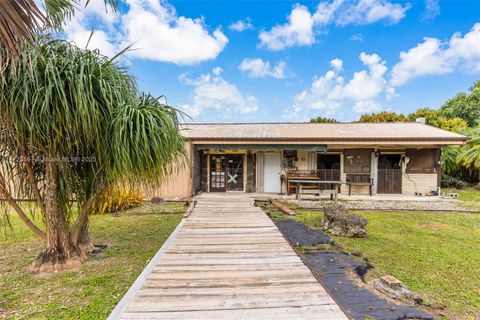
428 114
71 124
450 124
323 120
464 105
469 155
22 20
384 116
434 118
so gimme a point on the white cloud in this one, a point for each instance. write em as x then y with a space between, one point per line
79 28
242 25
367 106
391 93
258 68
161 35
298 31
326 11
155 30
370 11
365 84
213 92
432 9
433 57
332 93
302 25
337 64
357 37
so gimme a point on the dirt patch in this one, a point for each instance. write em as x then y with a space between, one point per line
433 226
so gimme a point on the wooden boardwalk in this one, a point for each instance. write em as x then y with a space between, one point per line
227 261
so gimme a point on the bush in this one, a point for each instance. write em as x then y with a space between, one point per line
117 199
453 182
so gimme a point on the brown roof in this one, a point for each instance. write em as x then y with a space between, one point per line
319 131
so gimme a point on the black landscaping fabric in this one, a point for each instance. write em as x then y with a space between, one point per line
299 234
332 268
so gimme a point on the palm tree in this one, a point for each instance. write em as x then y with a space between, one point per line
470 154
23 19
71 124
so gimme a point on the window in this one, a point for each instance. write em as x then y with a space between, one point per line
357 160
422 160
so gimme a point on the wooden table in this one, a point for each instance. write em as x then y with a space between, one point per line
300 182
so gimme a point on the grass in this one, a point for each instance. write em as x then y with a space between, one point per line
469 197
91 291
435 254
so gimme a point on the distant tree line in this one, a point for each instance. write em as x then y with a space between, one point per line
460 164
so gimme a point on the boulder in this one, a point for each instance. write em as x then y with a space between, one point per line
392 287
341 223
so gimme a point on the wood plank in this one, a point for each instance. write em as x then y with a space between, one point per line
280 313
283 208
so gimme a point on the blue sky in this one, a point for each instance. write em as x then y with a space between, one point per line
278 61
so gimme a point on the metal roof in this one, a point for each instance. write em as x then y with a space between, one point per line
392 131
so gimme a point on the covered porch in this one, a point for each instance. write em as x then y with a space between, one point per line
282 168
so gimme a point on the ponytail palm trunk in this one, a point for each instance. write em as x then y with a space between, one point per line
71 124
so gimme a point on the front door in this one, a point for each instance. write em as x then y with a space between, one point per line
218 173
389 180
271 172
235 172
226 172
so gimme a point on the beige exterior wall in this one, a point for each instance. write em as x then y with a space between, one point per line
176 185
418 182
302 162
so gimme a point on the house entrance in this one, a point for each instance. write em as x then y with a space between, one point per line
226 172
389 174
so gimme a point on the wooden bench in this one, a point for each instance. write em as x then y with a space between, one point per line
332 193
359 179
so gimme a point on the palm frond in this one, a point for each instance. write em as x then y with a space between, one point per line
145 141
19 19
470 155
23 19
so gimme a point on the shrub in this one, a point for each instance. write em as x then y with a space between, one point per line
453 182
117 199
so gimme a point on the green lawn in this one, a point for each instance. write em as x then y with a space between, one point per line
469 197
435 254
92 291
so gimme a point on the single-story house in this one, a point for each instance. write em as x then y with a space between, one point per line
378 158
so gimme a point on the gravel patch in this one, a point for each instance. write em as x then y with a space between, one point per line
440 205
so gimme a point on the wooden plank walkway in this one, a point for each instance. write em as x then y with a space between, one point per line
227 261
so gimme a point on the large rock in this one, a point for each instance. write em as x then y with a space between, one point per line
341 223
